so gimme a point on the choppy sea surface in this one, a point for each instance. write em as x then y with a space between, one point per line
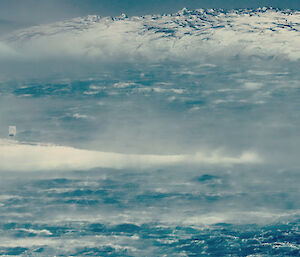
162 135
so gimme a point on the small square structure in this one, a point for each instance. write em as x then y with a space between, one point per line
12 131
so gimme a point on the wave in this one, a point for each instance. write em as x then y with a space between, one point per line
185 36
35 157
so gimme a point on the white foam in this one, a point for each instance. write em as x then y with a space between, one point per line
23 157
252 85
186 35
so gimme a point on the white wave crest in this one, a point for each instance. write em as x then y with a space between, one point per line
186 35
22 157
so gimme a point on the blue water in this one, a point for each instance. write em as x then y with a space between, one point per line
222 104
152 213
184 210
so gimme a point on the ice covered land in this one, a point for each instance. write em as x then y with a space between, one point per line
162 135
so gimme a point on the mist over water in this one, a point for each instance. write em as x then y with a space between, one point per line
163 135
